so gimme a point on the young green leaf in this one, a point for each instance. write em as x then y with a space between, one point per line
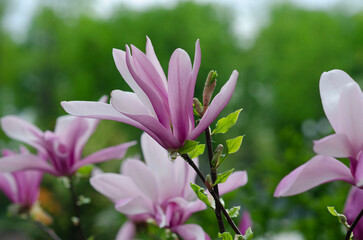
225 236
234 144
85 170
333 211
200 194
238 237
198 150
222 177
188 146
249 234
234 212
224 124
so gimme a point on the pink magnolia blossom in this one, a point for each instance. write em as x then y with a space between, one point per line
342 101
157 190
162 108
353 206
21 187
63 147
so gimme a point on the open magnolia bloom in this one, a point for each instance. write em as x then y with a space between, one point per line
159 106
342 101
21 187
353 206
63 147
157 190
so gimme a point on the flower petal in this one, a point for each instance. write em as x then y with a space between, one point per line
190 232
115 186
133 206
245 223
350 115
353 206
128 102
18 162
358 173
318 170
22 130
216 106
127 231
331 86
119 57
335 145
8 186
143 178
115 152
236 180
150 53
179 75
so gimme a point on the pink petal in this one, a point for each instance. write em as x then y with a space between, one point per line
8 186
133 206
318 170
335 145
353 206
143 178
115 152
179 75
245 223
22 130
350 115
358 174
331 86
216 106
25 161
97 110
147 72
127 231
155 99
191 85
190 232
155 157
120 60
150 53
128 102
236 180
115 186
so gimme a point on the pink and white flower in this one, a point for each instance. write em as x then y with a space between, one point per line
21 187
63 147
342 101
157 190
159 106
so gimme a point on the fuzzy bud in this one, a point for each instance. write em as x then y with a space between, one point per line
210 85
198 107
217 155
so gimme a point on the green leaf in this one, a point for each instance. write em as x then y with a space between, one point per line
199 191
85 170
234 212
238 237
222 177
188 146
224 124
234 144
198 150
249 234
225 236
333 211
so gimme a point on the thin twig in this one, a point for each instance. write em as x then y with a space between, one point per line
77 210
356 220
216 199
50 232
213 172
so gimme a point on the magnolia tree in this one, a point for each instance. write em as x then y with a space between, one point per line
162 190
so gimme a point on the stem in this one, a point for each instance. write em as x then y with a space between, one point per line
77 210
216 199
356 220
213 172
50 232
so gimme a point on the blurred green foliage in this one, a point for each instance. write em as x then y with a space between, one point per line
67 55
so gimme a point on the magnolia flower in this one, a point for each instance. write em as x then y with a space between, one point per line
63 147
21 187
157 190
352 208
342 101
162 108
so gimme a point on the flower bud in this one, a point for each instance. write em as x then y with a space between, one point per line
210 85
198 106
217 155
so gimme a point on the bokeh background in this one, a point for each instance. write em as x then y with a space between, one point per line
62 50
